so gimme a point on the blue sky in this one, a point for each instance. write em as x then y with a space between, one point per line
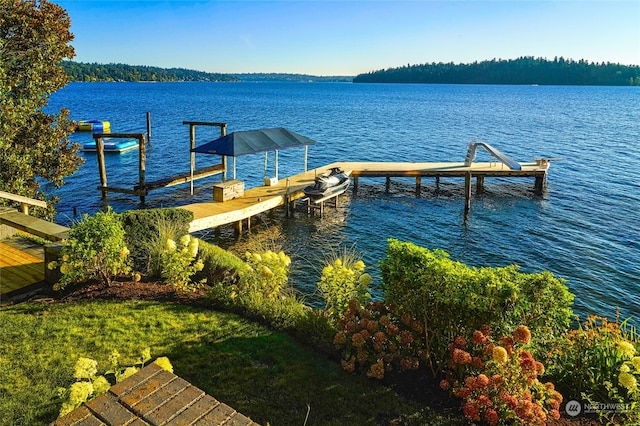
348 37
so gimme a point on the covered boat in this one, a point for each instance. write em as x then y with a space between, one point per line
112 145
336 182
95 126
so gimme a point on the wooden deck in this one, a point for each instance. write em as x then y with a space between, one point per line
264 198
21 265
154 397
255 201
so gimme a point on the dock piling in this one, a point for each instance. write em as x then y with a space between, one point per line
467 191
101 166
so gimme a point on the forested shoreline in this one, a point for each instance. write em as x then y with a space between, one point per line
79 71
521 71
524 70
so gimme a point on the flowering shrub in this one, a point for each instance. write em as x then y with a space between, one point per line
375 339
267 273
449 297
341 282
179 263
498 380
89 384
599 362
95 249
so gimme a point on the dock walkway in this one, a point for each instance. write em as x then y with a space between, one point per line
264 198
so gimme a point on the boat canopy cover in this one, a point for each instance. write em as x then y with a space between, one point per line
252 141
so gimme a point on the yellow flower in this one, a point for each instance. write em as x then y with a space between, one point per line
124 252
164 363
626 349
500 354
129 371
624 368
65 268
79 392
185 240
101 385
170 245
636 362
359 265
66 409
113 359
193 247
145 354
85 368
266 271
628 381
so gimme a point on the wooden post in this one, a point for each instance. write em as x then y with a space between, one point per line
480 184
149 127
538 186
437 181
101 166
418 183
287 199
142 167
223 132
388 184
355 185
265 163
249 224
192 144
239 227
467 192
25 208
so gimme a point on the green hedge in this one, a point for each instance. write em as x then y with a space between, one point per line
453 299
142 226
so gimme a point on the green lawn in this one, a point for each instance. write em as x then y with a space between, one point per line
266 375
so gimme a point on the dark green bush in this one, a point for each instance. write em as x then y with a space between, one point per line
453 299
220 265
144 231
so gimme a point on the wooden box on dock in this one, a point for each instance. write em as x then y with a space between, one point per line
225 191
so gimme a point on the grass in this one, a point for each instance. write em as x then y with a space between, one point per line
265 375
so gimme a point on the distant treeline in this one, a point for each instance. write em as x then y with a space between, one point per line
292 77
78 71
524 70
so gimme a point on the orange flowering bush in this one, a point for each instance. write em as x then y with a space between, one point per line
498 380
375 339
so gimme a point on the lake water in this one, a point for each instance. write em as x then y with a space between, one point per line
585 228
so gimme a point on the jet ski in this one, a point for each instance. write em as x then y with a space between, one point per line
336 182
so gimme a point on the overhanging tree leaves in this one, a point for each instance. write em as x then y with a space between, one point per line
34 146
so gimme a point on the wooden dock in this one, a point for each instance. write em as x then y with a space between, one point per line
264 198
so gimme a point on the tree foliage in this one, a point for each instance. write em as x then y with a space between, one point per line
34 145
524 70
79 71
